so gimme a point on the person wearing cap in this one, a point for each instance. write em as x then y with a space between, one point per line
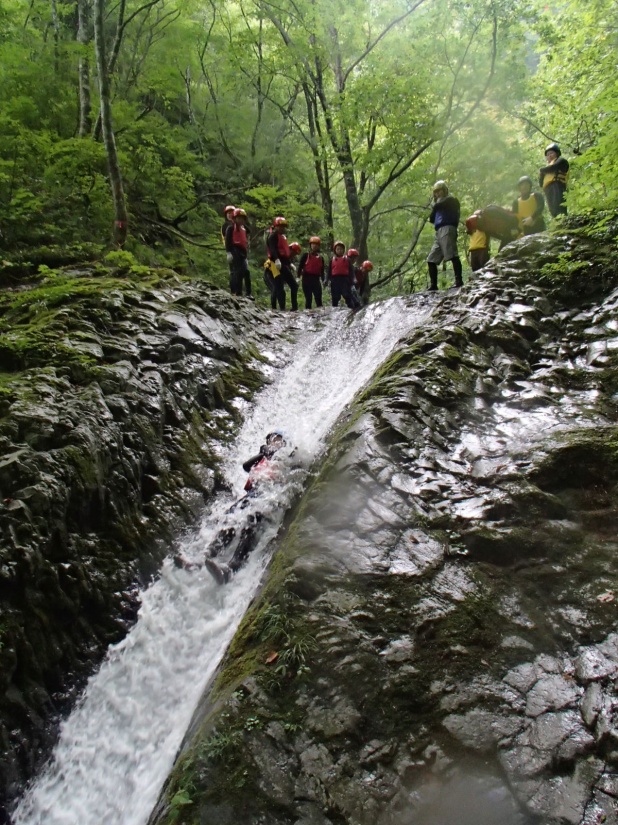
339 276
311 272
236 245
553 178
529 207
445 219
280 254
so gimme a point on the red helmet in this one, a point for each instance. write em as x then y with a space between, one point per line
314 239
352 252
280 221
338 243
367 266
228 209
239 213
295 247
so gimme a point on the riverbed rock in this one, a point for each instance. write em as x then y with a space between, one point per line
443 574
114 392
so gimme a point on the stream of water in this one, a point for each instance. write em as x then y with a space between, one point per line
118 745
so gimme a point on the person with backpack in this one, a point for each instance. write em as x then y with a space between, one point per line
311 272
339 276
445 219
479 243
236 246
280 254
529 207
553 178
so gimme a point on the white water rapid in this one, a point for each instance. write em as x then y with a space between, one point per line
118 745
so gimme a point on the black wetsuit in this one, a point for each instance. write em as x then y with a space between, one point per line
251 530
239 266
339 276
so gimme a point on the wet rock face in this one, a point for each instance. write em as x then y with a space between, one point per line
113 395
436 637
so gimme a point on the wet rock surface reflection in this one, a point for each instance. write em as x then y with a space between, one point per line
436 640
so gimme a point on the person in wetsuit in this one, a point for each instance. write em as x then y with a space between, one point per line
236 246
260 468
311 272
553 177
279 252
529 207
363 286
339 275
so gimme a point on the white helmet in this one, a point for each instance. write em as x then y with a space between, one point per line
440 184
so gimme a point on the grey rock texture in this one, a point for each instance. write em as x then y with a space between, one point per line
114 390
441 607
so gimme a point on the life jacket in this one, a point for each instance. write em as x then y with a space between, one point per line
559 175
498 223
264 470
283 247
526 208
239 237
314 264
340 266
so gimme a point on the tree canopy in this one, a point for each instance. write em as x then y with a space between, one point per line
338 115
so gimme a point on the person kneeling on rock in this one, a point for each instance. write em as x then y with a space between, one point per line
261 468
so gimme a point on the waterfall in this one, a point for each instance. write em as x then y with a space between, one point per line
118 745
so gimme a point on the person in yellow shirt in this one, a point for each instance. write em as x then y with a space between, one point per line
553 177
529 207
479 243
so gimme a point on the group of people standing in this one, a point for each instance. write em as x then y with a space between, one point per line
350 282
347 280
525 217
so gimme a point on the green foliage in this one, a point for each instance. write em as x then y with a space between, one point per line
281 109
575 100
125 261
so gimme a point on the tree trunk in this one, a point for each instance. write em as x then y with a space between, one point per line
56 26
107 129
83 38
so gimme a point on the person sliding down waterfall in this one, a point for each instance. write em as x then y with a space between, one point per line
262 468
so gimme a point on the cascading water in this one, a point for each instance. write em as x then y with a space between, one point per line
117 747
